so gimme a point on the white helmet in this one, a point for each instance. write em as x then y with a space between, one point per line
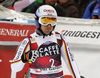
44 11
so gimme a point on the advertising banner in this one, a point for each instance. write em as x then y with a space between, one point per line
11 34
82 35
14 33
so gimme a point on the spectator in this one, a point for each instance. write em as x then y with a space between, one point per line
27 9
69 6
7 3
20 5
93 10
2 1
81 5
59 9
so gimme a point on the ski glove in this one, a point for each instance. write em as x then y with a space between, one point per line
30 56
82 77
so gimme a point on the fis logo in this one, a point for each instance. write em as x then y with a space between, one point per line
47 43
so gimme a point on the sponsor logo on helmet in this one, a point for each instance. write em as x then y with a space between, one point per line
48 10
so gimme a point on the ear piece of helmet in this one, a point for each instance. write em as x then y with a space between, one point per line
36 21
36 17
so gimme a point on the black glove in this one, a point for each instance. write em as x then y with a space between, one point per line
82 77
30 56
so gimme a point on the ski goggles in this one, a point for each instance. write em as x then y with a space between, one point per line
48 20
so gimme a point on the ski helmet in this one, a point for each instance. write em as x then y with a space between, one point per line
44 11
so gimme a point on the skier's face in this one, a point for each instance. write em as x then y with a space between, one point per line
98 1
46 29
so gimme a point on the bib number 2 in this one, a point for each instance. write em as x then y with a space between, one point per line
52 62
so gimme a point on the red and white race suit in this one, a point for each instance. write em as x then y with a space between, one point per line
48 64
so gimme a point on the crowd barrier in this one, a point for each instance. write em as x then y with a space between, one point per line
83 37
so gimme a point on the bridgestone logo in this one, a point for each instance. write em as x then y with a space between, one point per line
82 34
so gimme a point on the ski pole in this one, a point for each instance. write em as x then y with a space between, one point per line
27 69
